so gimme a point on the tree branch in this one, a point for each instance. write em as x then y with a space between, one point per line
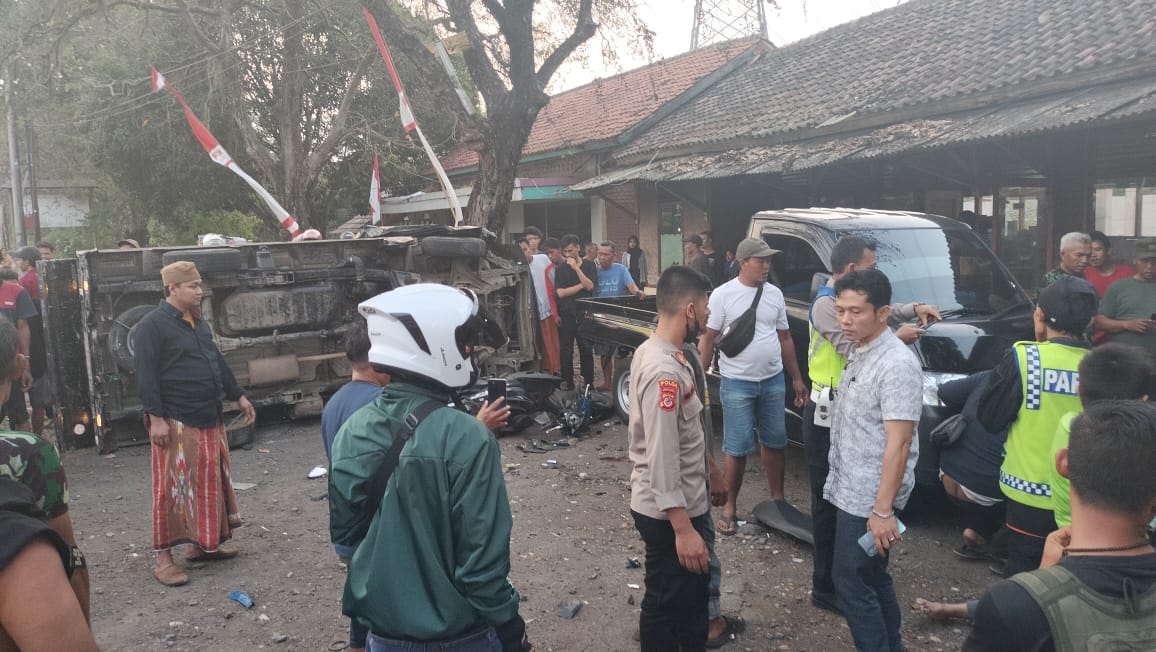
338 125
481 69
585 29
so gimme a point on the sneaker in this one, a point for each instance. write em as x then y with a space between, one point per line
999 568
824 600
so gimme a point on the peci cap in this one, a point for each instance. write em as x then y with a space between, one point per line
1146 248
130 242
1068 304
179 272
754 248
696 239
30 254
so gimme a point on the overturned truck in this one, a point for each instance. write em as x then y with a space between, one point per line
278 312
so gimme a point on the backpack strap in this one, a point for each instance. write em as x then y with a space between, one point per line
381 479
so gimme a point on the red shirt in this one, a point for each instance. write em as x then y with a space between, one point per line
31 281
1102 282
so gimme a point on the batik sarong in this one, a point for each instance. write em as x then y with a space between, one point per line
193 498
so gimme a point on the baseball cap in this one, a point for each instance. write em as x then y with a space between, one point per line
1069 303
1146 248
693 238
754 248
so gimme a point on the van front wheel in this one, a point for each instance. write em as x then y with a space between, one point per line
620 388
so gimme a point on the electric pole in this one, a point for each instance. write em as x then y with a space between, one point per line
14 159
726 20
30 146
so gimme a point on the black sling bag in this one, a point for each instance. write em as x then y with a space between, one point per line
381 479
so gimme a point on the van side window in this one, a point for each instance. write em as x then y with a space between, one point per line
795 266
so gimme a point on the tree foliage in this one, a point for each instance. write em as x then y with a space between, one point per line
513 49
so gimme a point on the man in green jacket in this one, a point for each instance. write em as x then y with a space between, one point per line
433 553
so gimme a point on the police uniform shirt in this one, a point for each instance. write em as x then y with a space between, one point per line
667 444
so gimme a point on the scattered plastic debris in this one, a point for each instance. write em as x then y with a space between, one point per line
318 472
633 563
241 598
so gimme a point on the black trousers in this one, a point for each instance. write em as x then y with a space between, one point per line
674 608
823 513
1028 528
567 336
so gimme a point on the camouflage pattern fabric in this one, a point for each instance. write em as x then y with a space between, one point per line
34 462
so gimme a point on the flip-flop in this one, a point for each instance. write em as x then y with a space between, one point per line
734 625
727 526
971 551
217 555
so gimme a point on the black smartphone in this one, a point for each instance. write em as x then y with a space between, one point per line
1154 316
495 388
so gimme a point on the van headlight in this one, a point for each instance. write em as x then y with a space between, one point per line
931 382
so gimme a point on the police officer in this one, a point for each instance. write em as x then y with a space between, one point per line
1031 389
668 487
826 357
442 578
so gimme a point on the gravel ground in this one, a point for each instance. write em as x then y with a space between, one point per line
571 541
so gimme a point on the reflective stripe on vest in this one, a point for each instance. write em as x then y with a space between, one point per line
824 364
1049 379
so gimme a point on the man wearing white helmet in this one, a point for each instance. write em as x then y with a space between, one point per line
416 486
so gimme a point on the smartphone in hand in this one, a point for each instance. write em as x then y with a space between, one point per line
867 541
495 389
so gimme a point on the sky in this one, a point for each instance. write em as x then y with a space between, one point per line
671 20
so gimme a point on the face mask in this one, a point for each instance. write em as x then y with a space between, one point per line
693 330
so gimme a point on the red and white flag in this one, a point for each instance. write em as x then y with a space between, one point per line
409 121
222 158
375 195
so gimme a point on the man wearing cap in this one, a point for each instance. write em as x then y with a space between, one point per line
693 257
1031 389
1129 305
182 378
127 243
38 392
753 391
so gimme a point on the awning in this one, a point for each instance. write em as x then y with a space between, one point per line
525 189
1084 107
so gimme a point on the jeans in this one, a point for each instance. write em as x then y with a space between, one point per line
567 337
751 407
1027 529
823 513
863 589
674 608
485 640
713 608
358 633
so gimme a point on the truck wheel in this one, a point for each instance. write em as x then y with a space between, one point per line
221 260
120 336
620 388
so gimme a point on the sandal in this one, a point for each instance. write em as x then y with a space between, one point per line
196 554
734 625
971 551
171 575
727 525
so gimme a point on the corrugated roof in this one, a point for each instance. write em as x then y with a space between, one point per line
606 108
923 53
1096 105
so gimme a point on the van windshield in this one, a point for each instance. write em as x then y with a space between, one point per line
949 268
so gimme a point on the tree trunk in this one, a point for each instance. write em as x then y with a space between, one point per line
509 129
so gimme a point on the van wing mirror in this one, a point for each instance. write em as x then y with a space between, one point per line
818 280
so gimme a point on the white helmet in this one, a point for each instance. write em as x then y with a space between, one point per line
429 330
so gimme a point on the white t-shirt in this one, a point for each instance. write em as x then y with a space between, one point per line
538 265
763 357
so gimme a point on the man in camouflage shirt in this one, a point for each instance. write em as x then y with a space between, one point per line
1075 254
35 463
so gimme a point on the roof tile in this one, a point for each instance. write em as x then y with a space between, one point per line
918 53
606 108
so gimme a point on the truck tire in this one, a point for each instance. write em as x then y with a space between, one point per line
620 388
446 247
120 336
221 260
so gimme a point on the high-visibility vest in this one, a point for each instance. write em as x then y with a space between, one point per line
824 364
1049 379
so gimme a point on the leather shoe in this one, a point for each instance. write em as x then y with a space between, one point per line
824 600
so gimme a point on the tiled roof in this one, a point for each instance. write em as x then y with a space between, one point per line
918 59
606 108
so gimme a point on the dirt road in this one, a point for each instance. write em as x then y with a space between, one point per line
572 538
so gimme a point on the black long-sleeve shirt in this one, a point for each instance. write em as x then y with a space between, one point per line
180 372
1000 404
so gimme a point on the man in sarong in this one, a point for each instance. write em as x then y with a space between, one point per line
182 379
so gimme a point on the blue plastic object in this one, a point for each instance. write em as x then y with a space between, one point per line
241 598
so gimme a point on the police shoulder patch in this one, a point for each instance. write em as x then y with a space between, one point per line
667 395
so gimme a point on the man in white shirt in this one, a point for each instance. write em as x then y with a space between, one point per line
753 389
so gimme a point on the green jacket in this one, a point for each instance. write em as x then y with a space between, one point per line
433 559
